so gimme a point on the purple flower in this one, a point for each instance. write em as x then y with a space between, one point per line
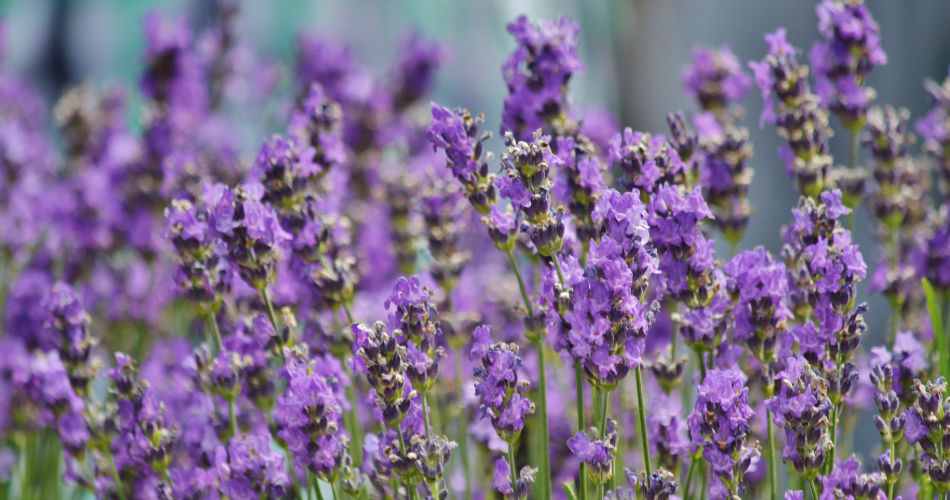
498 385
596 451
414 72
537 72
761 287
667 430
719 424
309 417
715 78
454 132
795 110
851 49
801 406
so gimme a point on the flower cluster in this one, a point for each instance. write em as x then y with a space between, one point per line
796 111
851 49
537 73
719 425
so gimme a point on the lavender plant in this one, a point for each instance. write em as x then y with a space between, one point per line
191 317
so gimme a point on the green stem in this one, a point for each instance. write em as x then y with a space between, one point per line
890 486
215 332
705 471
604 396
773 477
317 488
545 493
689 476
814 492
349 314
643 421
336 491
702 365
115 475
830 460
852 161
524 291
463 425
232 419
270 311
557 267
293 474
579 382
425 415
511 463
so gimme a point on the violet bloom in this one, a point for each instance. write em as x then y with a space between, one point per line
759 286
141 440
456 132
725 177
687 258
801 406
605 324
414 73
309 417
68 323
417 326
890 422
446 221
578 183
526 183
846 481
318 132
841 62
715 78
250 229
926 426
498 385
719 425
501 481
899 201
667 430
797 113
377 356
596 451
645 160
251 468
934 127
825 267
537 74
202 275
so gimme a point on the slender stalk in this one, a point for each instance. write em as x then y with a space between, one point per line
545 472
293 474
349 314
336 492
852 161
702 365
511 463
689 476
890 487
814 492
773 477
557 267
705 471
604 396
232 419
270 310
115 475
425 415
835 413
545 433
579 382
317 489
215 332
463 426
643 421
524 291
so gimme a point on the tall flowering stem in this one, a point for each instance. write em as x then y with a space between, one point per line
500 391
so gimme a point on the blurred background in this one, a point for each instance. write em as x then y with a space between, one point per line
634 51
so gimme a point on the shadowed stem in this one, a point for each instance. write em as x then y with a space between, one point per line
643 421
579 382
463 427
115 475
689 475
773 477
545 479
215 332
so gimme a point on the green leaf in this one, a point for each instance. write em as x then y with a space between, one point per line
569 491
936 320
